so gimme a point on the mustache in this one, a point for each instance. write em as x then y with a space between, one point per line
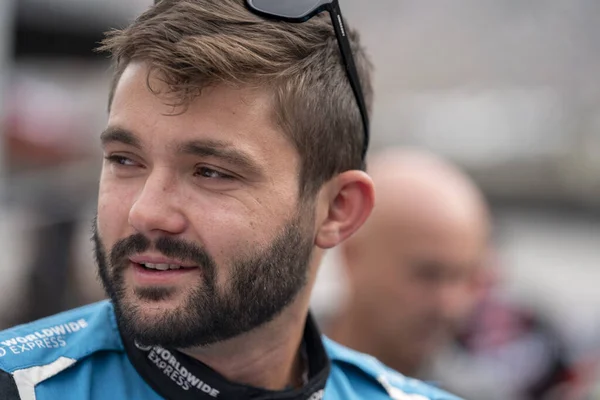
168 246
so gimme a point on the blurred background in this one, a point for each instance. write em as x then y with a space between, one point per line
507 90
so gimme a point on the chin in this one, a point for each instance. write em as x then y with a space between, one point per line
147 313
150 301
157 306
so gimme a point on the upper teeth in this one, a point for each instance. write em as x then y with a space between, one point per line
162 267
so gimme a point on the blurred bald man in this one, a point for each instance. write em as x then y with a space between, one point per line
414 268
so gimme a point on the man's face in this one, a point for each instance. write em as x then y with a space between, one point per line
200 235
422 279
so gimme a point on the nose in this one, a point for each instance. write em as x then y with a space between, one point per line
453 295
157 208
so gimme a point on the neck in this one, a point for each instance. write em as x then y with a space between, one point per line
267 357
352 329
348 328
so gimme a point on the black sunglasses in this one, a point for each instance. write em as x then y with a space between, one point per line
303 10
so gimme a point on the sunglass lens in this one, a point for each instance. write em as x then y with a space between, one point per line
295 9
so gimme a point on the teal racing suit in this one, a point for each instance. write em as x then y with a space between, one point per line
81 355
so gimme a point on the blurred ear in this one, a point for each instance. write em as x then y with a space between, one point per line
349 201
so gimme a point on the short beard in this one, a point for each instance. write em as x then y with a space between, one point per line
262 285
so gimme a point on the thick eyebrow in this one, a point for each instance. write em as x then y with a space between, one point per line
121 135
223 151
199 148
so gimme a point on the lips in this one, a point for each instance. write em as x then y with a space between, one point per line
163 266
154 269
160 263
162 274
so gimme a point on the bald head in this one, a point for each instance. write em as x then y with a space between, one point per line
416 189
413 266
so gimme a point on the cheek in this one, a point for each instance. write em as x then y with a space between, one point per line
403 296
114 204
222 234
229 229
409 296
463 300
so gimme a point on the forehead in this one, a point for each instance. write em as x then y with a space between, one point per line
431 238
237 116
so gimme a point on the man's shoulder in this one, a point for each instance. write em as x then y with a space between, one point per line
376 377
68 336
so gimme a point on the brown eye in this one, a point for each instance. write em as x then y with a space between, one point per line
120 160
210 173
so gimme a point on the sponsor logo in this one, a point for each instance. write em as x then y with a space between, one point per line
396 393
170 366
339 17
318 395
47 338
142 347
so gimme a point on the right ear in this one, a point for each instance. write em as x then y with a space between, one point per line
349 203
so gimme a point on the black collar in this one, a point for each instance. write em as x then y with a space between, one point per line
176 376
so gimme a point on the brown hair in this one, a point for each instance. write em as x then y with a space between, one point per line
195 43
